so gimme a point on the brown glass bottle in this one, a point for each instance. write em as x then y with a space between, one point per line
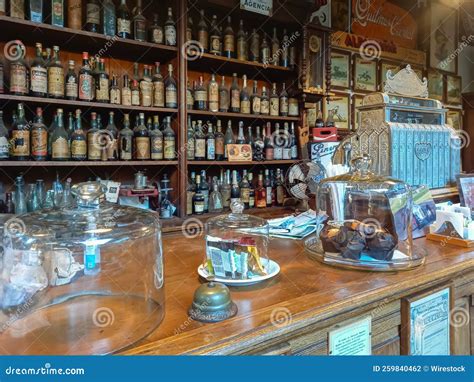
141 140
39 137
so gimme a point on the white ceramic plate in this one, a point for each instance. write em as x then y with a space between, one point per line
272 268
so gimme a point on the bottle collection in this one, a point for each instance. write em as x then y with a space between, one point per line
217 97
72 141
99 17
205 194
45 77
256 47
204 142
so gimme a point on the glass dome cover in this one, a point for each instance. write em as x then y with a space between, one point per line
369 224
82 280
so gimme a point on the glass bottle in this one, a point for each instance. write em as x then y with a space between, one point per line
114 91
215 44
20 136
330 119
235 95
126 94
20 197
56 76
71 82
219 141
245 190
189 96
102 84
294 144
190 192
124 29
146 88
225 190
213 89
293 105
268 143
169 141
93 140
38 74
223 96
203 187
4 149
109 18
156 31
35 10
126 139
267 183
210 143
265 50
284 49
92 261
156 140
40 192
135 93
228 138
200 142
19 73
39 137
17 9
229 39
286 149
166 208
189 29
85 79
202 32
112 139
10 206
245 107
284 101
264 102
254 46
171 89
170 29
93 16
242 46
78 140
139 23
275 43
74 14
255 99
190 139
200 95
235 189
319 120
251 191
274 101
60 140
215 200
278 143
141 140
280 188
198 198
240 136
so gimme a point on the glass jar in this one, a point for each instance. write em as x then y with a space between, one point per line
236 246
80 280
369 224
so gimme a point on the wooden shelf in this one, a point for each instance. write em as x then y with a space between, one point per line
78 40
216 115
253 70
253 163
30 163
4 98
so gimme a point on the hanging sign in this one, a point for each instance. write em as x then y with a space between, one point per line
264 7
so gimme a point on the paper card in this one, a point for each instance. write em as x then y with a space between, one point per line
239 153
456 219
352 339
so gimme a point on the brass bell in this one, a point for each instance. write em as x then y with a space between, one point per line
212 303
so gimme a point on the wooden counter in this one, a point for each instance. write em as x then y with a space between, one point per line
304 301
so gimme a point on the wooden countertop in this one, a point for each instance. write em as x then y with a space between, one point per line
305 291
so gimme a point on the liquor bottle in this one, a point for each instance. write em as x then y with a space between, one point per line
70 127
189 29
126 139
170 29
39 138
330 119
268 145
293 106
319 120
267 183
135 93
146 88
210 143
60 140
274 101
190 192
242 46
294 145
56 76
200 95
265 50
57 13
166 208
258 146
249 136
38 74
156 31
158 87
156 140
204 189
229 39
71 81
215 39
78 140
102 91
200 142
264 102
94 64
286 149
124 29
219 138
228 138
35 10
189 97
139 23
278 142
141 140
19 73
112 139
225 190
213 93
255 99
85 79
275 43
254 46
93 16
4 149
223 97
215 200
244 97
190 139
114 91
171 90
126 91
284 49
251 191
198 198
17 9
280 188
169 141
235 95
284 101
109 18
93 140
202 32
245 190
240 136
74 14
20 136
235 189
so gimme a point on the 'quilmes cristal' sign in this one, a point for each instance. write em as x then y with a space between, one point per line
264 7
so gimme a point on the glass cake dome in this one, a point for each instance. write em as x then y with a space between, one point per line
82 280
369 221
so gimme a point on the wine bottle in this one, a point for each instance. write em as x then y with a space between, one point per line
189 97
85 79
94 150
56 76
274 101
275 43
228 138
235 95
171 90
93 16
156 140
135 91
139 23
156 31
126 99
141 140
60 140
71 81
254 46
284 49
190 139
242 46
213 90
223 96
203 34
283 101
210 143
200 142
240 136
245 97
198 198
4 149
255 99
74 14
38 74
265 51
158 87
146 88
114 91
264 102
102 84
219 142
126 139
215 45
229 39
109 18
200 95
124 29
169 141
170 29
39 137
112 139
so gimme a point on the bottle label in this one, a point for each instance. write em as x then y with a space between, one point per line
269 195
127 97
58 13
200 96
211 149
146 93
102 90
156 148
293 107
4 149
242 49
18 82
225 198
20 143
158 94
71 88
56 82
220 146
111 147
284 105
274 106
229 43
266 55
269 154
256 105
261 201
171 96
60 148
126 147
235 99
286 153
264 107
140 30
251 201
94 148
170 35
157 36
85 87
115 96
78 149
203 39
245 106
123 26
215 45
214 98
74 14
190 149
168 148
17 9
135 97
39 80
200 148
142 147
39 143
245 195
277 153
92 13
199 207
189 99
189 202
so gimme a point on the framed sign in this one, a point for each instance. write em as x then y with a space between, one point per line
239 153
264 7
454 118
385 66
453 89
426 322
340 15
436 85
365 75
465 184
339 104
340 70
351 339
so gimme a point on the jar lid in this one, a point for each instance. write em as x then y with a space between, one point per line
237 219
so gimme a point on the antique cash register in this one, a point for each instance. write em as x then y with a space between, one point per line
406 134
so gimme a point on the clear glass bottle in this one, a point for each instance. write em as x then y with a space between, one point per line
200 142
171 90
190 139
71 81
39 137
20 197
242 45
235 95
78 140
254 46
139 23
229 39
156 31
213 94
200 95
158 87
215 200
203 32
170 29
